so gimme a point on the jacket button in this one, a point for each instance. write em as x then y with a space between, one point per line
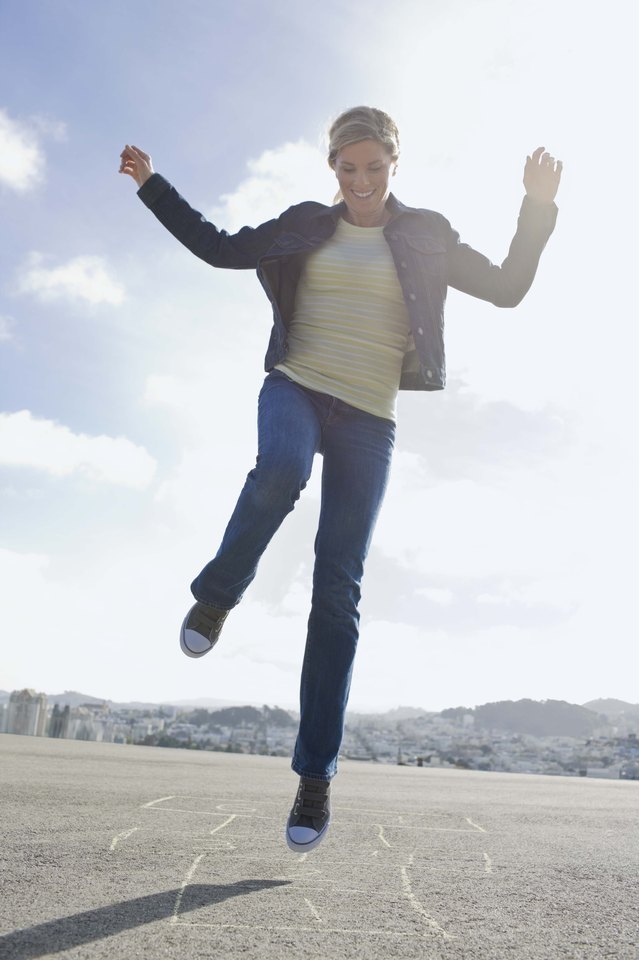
412 296
420 331
403 265
430 374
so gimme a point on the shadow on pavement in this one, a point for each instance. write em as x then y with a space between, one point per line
67 932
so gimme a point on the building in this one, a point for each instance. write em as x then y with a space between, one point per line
27 713
59 722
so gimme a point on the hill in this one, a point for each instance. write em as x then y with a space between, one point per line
546 718
616 711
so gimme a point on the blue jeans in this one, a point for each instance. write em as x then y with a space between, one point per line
294 424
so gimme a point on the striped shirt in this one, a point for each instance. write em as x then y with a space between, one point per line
350 328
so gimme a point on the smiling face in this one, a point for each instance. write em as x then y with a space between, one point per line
363 170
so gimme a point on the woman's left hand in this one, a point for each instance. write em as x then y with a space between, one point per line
542 176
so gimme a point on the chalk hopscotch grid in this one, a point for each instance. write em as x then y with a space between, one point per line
307 876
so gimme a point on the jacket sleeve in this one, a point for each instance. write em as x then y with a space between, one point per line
239 251
504 285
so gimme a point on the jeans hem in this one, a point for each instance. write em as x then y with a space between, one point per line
216 606
309 776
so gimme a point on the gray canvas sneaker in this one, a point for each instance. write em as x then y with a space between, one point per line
310 815
200 629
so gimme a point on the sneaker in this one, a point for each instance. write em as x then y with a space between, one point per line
310 815
200 629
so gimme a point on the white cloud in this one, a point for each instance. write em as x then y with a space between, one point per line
278 178
21 157
169 390
466 436
491 599
439 595
45 445
6 328
55 129
81 278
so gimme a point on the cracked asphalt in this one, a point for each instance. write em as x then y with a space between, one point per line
140 852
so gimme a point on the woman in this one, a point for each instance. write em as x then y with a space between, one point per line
358 292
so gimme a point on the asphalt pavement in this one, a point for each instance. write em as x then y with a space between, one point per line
133 852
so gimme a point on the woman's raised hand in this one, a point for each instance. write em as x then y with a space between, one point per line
542 176
136 163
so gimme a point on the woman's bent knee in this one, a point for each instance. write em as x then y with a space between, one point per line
279 483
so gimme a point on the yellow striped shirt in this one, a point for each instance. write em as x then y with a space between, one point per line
350 328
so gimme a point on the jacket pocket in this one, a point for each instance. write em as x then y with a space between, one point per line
426 245
288 242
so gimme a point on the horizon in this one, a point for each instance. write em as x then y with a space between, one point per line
221 704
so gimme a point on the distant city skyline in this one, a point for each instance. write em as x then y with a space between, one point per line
505 561
550 737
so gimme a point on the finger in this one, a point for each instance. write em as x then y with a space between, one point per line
537 153
145 156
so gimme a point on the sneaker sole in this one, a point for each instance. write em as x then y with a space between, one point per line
185 649
303 847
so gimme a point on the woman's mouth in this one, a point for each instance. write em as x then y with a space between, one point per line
363 196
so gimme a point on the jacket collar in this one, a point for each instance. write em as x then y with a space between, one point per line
394 206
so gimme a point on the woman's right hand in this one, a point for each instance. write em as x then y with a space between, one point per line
136 164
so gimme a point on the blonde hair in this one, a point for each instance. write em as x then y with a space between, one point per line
363 123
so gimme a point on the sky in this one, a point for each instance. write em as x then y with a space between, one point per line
504 563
